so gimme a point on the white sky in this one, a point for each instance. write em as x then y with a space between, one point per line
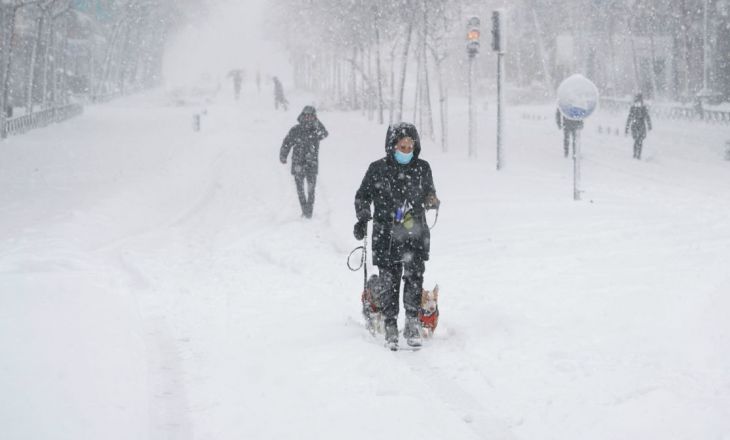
232 37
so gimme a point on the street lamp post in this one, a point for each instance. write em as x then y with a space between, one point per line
706 56
4 48
472 49
498 45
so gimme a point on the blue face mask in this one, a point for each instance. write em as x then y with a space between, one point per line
403 158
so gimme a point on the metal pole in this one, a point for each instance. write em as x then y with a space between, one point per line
500 110
3 61
472 150
576 166
706 55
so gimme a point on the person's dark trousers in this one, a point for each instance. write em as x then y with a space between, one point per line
412 274
567 134
307 202
638 144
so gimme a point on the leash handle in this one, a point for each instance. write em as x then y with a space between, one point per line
365 259
435 220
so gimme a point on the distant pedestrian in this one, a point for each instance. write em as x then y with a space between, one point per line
638 121
304 140
279 99
237 75
698 109
258 80
569 127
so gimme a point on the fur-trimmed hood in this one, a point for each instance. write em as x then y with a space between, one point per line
398 131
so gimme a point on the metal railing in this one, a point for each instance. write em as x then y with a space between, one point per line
668 111
22 124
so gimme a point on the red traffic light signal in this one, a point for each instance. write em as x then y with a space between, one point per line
472 36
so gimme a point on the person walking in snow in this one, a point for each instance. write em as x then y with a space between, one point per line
569 127
304 140
639 121
400 188
237 75
279 99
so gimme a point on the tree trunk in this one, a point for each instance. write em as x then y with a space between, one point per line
62 75
3 62
653 66
364 83
391 106
613 84
637 78
47 55
123 60
338 80
543 54
353 82
108 57
31 64
379 74
426 88
9 61
686 26
443 100
370 88
417 95
404 65
443 110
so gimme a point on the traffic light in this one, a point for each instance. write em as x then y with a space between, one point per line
472 36
497 30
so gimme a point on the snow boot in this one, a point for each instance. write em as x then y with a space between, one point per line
412 332
391 337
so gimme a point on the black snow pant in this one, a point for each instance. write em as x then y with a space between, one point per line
306 202
237 91
638 145
567 135
281 101
412 274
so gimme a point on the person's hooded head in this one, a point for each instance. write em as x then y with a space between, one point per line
308 115
639 98
402 143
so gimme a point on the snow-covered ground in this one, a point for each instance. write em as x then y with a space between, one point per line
160 283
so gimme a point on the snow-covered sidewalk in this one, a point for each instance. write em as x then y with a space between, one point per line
159 283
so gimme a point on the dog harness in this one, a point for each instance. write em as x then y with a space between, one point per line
429 320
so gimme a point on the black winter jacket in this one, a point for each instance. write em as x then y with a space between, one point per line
388 185
638 121
304 139
567 124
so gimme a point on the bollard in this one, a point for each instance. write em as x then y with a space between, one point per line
196 122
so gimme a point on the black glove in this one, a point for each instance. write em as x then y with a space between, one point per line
432 202
360 229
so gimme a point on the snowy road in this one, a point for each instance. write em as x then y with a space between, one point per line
159 283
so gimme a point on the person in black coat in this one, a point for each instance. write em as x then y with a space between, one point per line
400 188
639 121
237 75
569 127
279 99
304 139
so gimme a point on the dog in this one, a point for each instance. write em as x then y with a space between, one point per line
371 310
428 314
